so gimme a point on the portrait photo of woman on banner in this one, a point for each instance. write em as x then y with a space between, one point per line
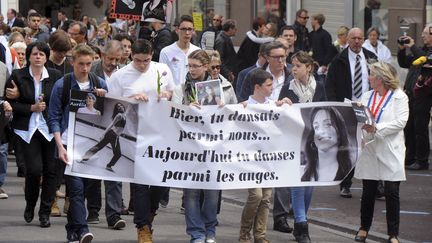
329 153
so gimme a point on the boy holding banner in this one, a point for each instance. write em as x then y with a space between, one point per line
58 116
143 79
256 209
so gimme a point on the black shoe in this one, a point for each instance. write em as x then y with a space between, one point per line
345 192
93 219
301 232
418 166
117 223
44 222
282 225
86 237
359 238
29 214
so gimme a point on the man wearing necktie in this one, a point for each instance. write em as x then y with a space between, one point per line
347 78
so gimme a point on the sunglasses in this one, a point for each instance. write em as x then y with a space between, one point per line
307 17
215 67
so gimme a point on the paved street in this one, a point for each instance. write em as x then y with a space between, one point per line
334 219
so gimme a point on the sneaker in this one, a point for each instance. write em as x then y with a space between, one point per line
345 192
3 194
210 240
118 223
86 238
182 210
145 234
92 220
55 210
109 168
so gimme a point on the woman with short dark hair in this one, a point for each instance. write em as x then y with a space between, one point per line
34 83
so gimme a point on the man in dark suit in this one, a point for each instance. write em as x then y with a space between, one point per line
13 20
347 77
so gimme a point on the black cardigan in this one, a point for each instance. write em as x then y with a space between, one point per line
22 105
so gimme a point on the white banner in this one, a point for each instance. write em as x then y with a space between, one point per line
232 147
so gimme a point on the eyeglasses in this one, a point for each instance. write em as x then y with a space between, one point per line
194 66
218 20
279 58
307 17
186 29
215 67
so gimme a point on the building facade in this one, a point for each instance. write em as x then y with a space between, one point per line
392 17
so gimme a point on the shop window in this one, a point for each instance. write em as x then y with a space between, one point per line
203 11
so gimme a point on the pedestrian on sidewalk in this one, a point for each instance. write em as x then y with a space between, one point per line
256 210
82 57
140 80
304 88
34 84
382 157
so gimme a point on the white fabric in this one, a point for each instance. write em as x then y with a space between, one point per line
277 85
252 101
258 40
86 110
365 80
177 61
383 158
382 52
129 81
305 93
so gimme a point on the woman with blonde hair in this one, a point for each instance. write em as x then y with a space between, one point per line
214 70
104 32
383 154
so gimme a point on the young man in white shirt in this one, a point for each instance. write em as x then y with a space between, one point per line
139 80
176 54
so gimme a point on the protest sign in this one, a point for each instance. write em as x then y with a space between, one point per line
223 148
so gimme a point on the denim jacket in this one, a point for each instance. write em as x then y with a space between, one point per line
58 116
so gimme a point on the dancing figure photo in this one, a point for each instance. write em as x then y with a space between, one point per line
111 136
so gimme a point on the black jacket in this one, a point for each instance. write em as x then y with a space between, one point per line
160 39
21 106
338 84
322 49
405 61
225 47
247 53
302 41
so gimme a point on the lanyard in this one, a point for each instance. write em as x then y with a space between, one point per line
377 109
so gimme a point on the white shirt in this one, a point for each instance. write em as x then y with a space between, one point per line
365 75
177 61
129 81
37 121
381 51
277 85
252 101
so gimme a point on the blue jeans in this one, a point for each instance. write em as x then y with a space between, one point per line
113 200
200 219
300 199
76 217
3 162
